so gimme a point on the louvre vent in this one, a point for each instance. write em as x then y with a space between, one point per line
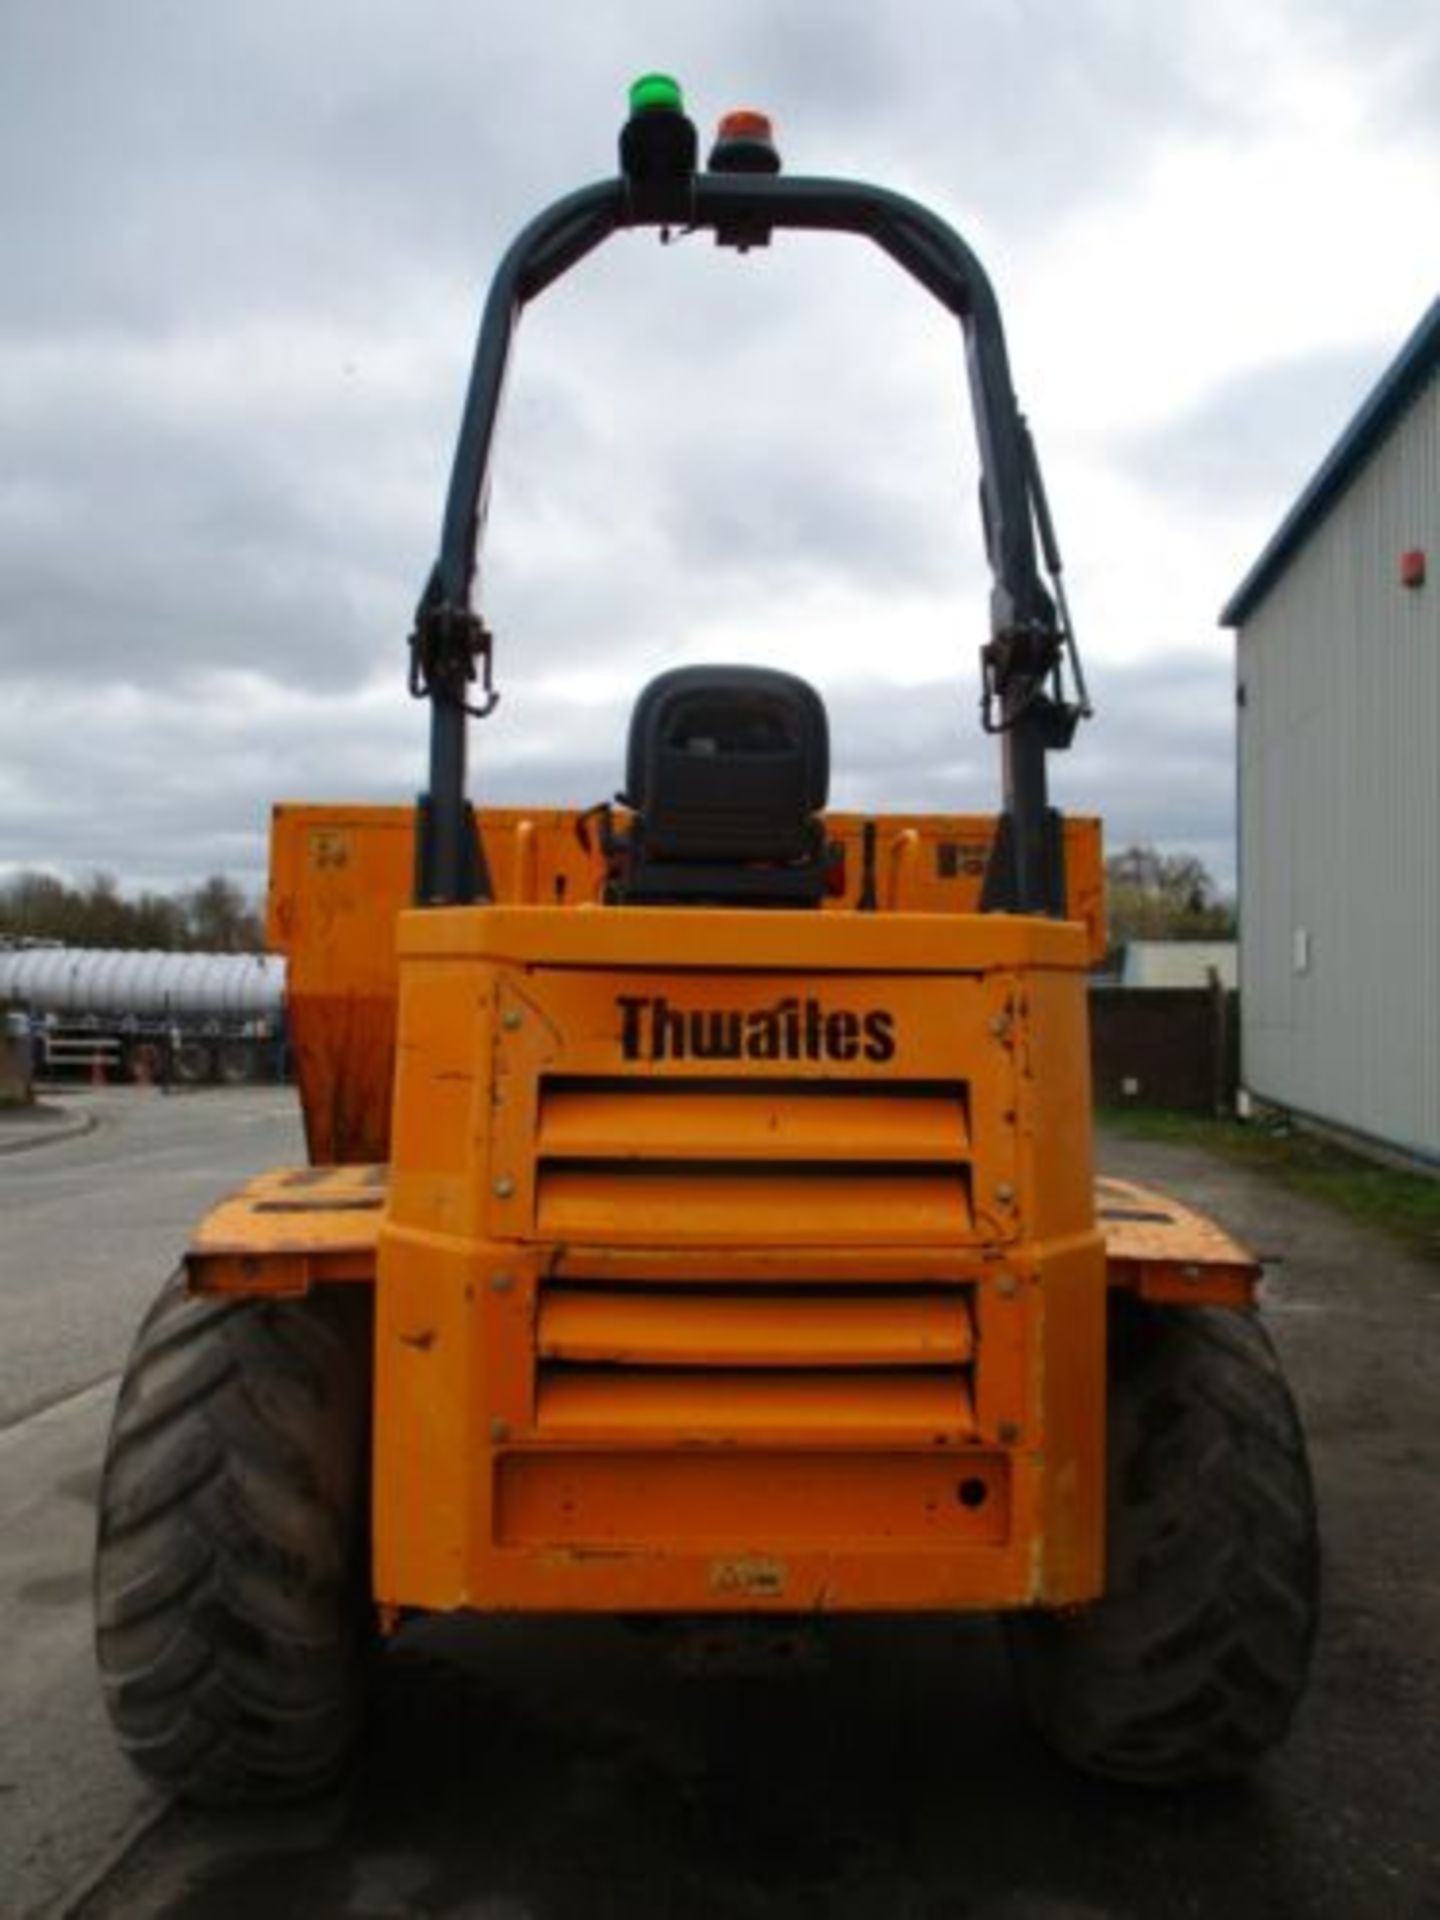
673 1158
892 1362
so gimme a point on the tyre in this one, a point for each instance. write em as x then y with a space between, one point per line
1192 1662
192 1063
233 1622
236 1063
145 1064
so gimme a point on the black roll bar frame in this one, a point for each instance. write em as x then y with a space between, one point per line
1023 656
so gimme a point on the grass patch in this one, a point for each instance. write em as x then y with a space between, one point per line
1406 1205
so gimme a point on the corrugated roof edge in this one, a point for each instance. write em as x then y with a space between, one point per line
1407 373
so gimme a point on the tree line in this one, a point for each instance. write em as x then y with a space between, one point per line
1151 895
215 917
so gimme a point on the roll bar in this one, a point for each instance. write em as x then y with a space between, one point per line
1024 698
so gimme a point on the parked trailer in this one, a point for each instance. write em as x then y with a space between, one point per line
144 1015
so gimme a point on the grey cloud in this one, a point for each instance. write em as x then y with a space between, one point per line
189 156
241 258
199 779
1034 104
179 158
790 511
1395 45
167 523
1260 436
151 584
728 428
147 533
164 790
1158 761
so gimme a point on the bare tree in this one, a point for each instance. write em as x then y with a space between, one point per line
220 919
1151 895
214 917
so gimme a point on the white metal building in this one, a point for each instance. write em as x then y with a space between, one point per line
1338 683
1179 963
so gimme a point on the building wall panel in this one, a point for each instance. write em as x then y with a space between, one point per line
1340 808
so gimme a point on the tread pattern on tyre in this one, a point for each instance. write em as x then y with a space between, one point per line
1192 1663
230 1576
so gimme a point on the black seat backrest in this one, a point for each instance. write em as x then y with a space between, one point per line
727 773
728 764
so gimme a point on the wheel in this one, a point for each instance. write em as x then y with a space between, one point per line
192 1063
236 1063
233 1622
1192 1662
145 1064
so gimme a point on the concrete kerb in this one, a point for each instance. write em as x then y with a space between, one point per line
23 1128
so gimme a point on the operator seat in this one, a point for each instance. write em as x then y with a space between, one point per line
727 773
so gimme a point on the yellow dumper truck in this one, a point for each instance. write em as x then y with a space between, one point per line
700 1216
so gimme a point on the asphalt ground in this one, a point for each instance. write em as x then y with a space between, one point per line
94 1222
90 1224
531 1770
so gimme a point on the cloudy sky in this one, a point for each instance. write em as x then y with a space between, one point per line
242 253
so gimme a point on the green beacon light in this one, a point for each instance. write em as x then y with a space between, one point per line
656 92
658 150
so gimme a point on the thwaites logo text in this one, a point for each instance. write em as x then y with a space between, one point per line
793 1029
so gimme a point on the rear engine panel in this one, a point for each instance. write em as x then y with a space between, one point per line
735 1283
